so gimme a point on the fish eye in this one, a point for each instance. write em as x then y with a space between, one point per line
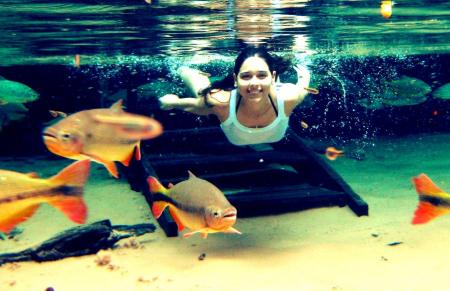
216 214
66 136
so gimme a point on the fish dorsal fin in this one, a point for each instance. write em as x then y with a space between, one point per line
191 175
75 175
117 106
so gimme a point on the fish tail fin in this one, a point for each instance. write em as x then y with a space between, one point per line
74 208
11 222
156 187
427 190
74 175
70 202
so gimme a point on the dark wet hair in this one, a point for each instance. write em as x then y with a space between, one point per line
275 63
249 52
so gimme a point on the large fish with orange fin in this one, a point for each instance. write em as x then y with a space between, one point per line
433 202
22 194
104 135
195 204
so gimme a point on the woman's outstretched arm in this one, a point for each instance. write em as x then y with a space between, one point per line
294 94
190 104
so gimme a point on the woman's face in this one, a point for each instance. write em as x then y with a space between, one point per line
254 79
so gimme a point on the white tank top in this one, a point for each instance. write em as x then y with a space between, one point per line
239 134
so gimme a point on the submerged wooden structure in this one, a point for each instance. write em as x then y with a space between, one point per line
257 180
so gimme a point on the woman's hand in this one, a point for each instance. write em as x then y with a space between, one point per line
303 75
168 101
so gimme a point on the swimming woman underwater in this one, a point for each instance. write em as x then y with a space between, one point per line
257 111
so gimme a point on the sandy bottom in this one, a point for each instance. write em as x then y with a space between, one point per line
318 249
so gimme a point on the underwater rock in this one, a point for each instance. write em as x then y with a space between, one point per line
156 89
15 92
79 241
442 92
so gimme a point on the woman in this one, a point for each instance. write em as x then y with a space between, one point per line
257 111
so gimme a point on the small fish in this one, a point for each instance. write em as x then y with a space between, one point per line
433 202
332 153
15 92
103 135
196 204
22 194
386 8
313 91
56 113
76 61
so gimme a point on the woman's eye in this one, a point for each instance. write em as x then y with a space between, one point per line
245 77
262 76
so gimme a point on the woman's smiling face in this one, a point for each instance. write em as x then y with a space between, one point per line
254 79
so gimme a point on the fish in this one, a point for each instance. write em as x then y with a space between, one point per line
195 204
56 113
12 112
103 135
386 8
21 194
15 92
433 201
332 153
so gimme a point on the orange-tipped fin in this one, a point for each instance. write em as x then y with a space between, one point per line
73 207
425 212
175 217
155 186
74 175
158 208
11 222
117 106
428 193
424 185
137 151
109 165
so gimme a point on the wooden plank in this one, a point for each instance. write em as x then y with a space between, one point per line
137 174
324 172
252 157
239 172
